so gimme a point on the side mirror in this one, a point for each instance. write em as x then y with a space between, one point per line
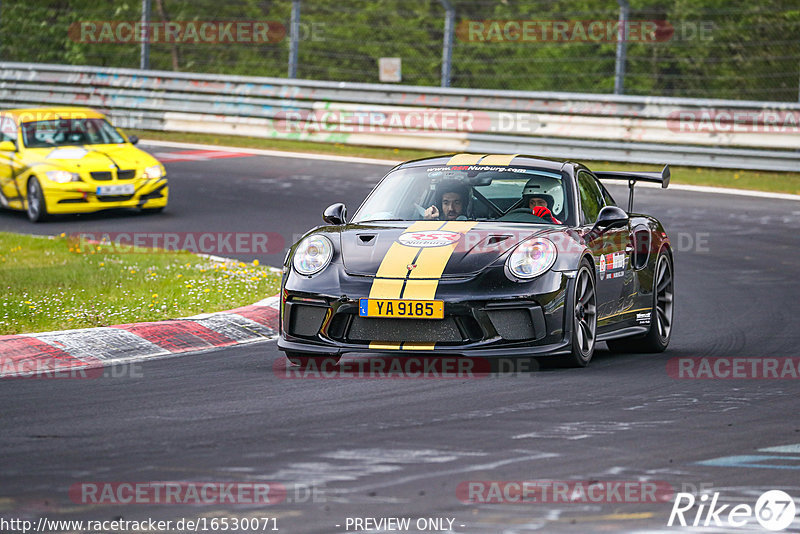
609 217
133 139
335 214
8 146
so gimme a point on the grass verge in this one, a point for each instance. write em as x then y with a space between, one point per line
775 182
56 284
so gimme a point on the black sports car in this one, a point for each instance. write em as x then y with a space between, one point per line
482 255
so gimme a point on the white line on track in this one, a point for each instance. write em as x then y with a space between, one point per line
388 162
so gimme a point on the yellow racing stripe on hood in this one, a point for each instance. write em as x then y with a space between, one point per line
393 280
431 263
388 282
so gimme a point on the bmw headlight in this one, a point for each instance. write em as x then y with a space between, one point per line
62 177
313 254
532 258
153 172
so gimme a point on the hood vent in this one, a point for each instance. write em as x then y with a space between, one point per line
366 240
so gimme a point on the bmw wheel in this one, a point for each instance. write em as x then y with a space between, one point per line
37 209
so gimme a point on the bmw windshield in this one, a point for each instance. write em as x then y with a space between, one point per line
475 192
69 132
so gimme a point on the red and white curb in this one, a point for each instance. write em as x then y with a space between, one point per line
32 355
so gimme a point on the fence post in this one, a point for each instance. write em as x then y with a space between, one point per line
622 47
447 47
294 43
144 57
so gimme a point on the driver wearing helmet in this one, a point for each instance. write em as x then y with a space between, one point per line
540 204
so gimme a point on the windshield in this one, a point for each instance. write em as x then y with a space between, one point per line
63 132
475 192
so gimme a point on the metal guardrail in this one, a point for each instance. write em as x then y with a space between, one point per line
695 132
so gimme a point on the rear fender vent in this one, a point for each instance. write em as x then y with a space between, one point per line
641 248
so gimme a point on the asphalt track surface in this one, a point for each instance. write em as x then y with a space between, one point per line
400 448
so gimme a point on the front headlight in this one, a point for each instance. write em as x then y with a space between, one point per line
532 258
62 177
313 254
153 172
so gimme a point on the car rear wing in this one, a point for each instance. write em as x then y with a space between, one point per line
633 177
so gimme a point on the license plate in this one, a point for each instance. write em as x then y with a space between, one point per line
401 309
111 190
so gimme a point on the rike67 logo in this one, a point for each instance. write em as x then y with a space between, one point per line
774 510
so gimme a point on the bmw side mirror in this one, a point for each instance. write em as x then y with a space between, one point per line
133 139
609 217
335 214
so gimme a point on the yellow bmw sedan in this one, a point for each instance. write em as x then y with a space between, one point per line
72 160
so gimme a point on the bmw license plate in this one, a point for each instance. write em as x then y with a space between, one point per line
401 309
111 190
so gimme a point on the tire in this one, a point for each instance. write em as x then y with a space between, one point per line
584 318
36 207
658 336
312 360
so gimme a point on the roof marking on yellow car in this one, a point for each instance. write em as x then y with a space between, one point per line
465 159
